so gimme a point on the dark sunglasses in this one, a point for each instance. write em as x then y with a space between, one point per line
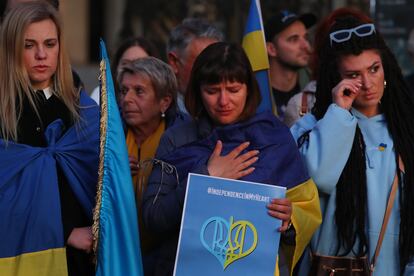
344 35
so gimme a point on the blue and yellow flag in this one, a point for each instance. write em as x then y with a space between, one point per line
255 46
31 230
276 146
115 219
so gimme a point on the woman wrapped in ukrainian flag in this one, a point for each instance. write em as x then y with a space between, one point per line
49 142
226 138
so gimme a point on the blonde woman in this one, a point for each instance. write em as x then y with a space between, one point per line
48 150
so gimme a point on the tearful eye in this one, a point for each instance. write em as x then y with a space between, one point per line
352 76
374 69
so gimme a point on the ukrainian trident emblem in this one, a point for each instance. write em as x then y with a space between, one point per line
228 241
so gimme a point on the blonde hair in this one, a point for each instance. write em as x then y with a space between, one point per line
15 84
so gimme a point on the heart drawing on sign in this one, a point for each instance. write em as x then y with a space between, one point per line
228 241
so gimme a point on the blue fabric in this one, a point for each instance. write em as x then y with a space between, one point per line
256 51
29 194
254 20
262 78
279 163
118 245
265 134
326 153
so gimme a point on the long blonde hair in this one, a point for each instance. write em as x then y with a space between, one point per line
15 84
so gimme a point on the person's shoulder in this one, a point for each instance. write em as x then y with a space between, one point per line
267 117
310 87
304 77
88 110
85 100
300 104
268 127
309 90
308 121
303 125
176 136
177 118
181 128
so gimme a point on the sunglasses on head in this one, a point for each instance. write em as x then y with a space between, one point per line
345 34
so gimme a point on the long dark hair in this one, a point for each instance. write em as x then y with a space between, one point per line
397 104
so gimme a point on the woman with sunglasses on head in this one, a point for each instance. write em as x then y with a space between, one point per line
49 150
356 145
303 102
226 138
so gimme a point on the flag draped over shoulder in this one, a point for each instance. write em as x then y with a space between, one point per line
115 219
266 134
31 230
279 164
254 45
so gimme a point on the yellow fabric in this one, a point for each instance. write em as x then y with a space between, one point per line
254 46
147 152
50 262
306 218
277 271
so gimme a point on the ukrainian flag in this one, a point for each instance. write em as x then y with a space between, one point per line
255 46
115 219
31 230
277 147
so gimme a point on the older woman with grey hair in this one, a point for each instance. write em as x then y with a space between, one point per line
147 98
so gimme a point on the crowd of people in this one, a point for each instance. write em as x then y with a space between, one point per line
341 125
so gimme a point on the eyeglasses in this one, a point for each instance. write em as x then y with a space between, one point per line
344 35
